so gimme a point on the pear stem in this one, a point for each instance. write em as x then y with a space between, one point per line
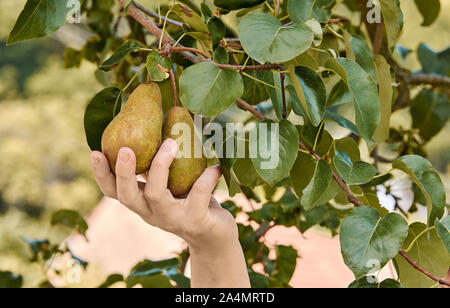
174 87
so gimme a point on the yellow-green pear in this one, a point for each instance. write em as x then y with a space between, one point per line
184 171
138 126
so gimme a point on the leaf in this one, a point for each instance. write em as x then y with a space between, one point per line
353 173
246 173
100 111
371 200
350 147
428 252
285 263
40 18
258 280
207 90
9 280
368 240
217 29
125 49
302 10
232 5
386 92
221 56
302 173
443 230
317 186
112 279
372 283
152 274
191 18
430 111
434 62
158 67
71 219
313 94
265 39
392 20
254 91
358 51
273 164
420 171
274 79
340 94
341 121
365 94
429 10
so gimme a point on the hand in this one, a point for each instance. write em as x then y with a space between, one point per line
199 219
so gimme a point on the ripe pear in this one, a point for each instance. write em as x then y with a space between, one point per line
184 170
138 126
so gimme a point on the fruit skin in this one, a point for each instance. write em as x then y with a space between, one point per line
232 5
138 126
183 171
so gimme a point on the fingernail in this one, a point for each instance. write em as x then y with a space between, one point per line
217 167
124 155
170 146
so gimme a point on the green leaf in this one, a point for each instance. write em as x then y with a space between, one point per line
258 280
254 91
340 94
317 186
429 10
285 263
100 111
125 49
386 92
420 171
274 79
302 173
315 216
221 56
367 239
428 252
232 5
191 18
341 121
71 219
430 111
302 10
353 173
365 94
207 90
392 20
246 173
265 39
274 164
40 18
434 62
350 147
158 67
372 283
358 51
112 279
152 274
217 29
443 230
9 280
313 94
371 200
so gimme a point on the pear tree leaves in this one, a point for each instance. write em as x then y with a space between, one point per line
372 283
265 39
10 280
274 164
386 93
358 51
71 219
100 111
208 90
393 20
191 18
420 171
365 94
367 239
443 230
125 49
428 252
353 173
318 185
158 67
302 10
40 18
429 10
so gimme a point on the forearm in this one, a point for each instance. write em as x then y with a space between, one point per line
222 268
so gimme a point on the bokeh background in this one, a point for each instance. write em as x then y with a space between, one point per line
44 162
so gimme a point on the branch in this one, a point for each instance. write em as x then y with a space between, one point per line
146 11
431 79
422 270
283 95
174 87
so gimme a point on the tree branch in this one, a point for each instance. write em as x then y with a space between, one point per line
174 88
147 12
422 270
283 95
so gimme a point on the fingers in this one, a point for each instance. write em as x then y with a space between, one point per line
214 203
103 175
200 194
127 185
159 171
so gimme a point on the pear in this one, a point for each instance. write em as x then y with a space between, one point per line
184 171
138 126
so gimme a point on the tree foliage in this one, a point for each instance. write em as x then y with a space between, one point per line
299 64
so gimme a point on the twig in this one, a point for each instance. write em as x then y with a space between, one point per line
283 95
378 38
150 13
337 20
250 109
174 87
431 79
421 269
195 50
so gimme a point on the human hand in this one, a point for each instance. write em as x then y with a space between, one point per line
199 219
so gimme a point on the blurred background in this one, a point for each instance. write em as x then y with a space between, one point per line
44 163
